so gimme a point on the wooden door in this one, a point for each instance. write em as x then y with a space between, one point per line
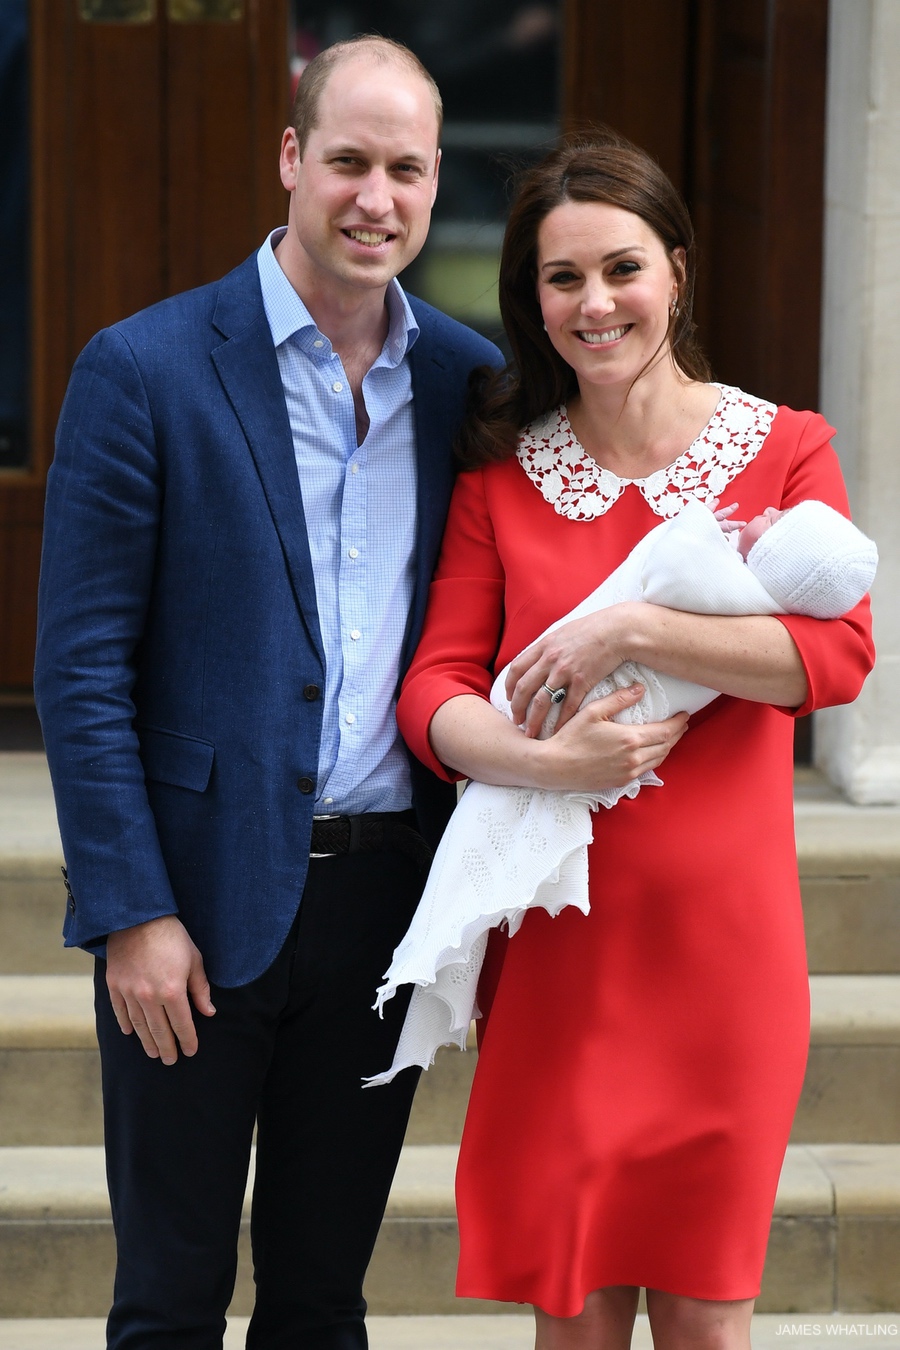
154 135
729 96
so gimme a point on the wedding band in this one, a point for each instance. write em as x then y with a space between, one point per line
556 695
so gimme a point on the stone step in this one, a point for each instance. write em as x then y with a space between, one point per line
835 1238
851 1091
31 894
849 861
770 1331
849 866
50 1081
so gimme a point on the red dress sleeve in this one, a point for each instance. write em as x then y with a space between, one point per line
455 658
837 654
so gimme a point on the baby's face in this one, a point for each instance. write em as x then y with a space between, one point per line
756 527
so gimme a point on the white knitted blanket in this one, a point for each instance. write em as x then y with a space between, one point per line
508 849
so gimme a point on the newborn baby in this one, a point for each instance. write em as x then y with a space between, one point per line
509 849
807 560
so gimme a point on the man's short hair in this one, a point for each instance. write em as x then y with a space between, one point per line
384 51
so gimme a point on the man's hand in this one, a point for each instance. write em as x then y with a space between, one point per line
151 969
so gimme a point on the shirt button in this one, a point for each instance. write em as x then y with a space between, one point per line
311 692
354 468
306 784
337 386
355 634
350 719
318 343
352 552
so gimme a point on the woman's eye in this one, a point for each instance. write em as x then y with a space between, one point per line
626 269
561 278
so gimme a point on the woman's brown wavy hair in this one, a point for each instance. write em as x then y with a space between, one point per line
598 167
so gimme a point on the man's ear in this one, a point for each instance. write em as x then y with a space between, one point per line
434 183
289 159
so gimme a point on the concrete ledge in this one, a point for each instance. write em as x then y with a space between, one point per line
439 1108
424 1183
852 923
849 858
509 1332
49 1064
47 1012
52 1184
835 1235
849 866
855 1009
851 1091
50 1078
804 1188
865 1177
837 838
29 838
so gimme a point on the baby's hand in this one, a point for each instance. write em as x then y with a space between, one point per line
723 515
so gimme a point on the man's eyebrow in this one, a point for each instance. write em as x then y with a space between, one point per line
408 157
607 257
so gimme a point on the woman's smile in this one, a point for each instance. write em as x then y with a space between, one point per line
603 336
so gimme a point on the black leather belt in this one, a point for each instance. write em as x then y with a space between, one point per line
369 832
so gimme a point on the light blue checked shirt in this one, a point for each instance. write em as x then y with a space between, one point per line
360 508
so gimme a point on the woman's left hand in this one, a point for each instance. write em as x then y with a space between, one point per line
574 657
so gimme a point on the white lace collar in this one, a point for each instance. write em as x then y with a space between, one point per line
576 487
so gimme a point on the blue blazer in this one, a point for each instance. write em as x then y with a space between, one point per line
180 667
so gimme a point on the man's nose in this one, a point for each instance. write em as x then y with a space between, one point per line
374 195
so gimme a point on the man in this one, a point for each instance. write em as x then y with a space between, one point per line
242 518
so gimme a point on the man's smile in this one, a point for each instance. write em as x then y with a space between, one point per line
370 237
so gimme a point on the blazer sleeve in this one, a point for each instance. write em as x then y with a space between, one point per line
463 621
837 654
104 492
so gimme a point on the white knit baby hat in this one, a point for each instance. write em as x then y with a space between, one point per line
814 561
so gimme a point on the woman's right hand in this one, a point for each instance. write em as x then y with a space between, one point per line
589 753
592 751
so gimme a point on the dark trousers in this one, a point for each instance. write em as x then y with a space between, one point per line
286 1053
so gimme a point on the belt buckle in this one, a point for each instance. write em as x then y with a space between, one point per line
332 815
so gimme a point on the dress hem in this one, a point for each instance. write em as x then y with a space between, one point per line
523 1300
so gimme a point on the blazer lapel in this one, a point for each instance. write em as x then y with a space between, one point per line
248 368
435 475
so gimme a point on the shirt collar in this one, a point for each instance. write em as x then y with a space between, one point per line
289 318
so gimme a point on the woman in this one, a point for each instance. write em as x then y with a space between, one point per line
639 1066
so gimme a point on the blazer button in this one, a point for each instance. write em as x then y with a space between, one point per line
71 902
306 785
311 692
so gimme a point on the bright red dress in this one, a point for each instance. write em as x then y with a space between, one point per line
639 1067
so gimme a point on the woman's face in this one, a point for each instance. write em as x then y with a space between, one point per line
605 286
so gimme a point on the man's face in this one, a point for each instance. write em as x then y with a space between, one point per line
361 196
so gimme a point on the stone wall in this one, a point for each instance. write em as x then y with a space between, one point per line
859 747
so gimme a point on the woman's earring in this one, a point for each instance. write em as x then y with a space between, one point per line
673 307
544 326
